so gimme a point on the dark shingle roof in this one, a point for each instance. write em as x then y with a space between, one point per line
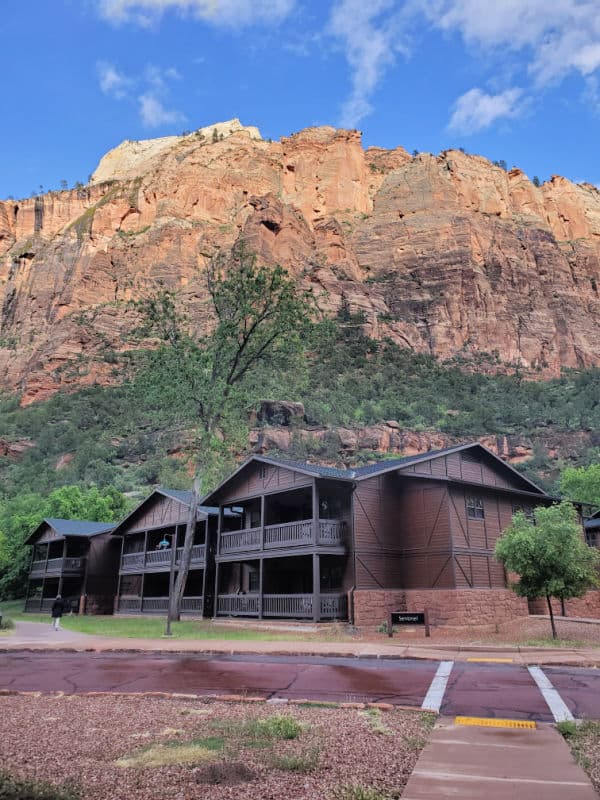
78 527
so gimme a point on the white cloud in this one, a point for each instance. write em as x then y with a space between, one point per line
228 13
154 114
476 110
558 36
371 36
151 92
112 82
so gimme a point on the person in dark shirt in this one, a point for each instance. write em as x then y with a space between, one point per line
58 607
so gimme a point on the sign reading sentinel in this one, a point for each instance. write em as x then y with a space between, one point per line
409 618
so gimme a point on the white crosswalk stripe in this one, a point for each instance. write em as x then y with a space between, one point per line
555 703
435 694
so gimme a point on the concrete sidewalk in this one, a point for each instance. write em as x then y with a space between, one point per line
495 763
40 636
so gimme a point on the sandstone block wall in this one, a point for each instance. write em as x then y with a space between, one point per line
586 606
446 606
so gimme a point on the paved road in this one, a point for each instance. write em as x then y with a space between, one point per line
490 690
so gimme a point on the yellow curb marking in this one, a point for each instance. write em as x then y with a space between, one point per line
493 660
488 722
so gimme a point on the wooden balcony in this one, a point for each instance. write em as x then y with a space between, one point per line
160 560
44 605
286 606
158 605
288 534
57 566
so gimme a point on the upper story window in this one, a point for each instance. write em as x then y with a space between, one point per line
475 507
262 471
592 538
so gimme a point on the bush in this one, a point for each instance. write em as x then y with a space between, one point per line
355 792
279 726
14 789
7 624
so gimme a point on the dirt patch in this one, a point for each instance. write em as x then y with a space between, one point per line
300 752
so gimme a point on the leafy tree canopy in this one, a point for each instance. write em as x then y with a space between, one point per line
581 484
548 555
20 515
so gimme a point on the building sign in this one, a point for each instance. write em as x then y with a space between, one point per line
408 618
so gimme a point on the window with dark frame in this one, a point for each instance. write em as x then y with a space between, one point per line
262 472
475 507
527 510
253 580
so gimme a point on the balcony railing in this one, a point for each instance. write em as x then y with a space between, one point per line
158 605
56 566
299 606
159 559
287 534
44 605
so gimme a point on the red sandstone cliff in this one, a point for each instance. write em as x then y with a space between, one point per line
447 254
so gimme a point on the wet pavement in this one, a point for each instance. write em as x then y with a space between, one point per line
488 690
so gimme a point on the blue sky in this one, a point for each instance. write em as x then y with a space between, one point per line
517 80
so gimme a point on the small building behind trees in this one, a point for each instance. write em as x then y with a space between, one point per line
76 559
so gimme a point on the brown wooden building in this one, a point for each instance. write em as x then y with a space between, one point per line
76 559
304 541
147 536
592 530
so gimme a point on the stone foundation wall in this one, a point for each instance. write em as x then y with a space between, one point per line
446 606
586 606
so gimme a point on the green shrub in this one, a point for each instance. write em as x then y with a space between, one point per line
356 792
307 761
14 789
279 726
7 624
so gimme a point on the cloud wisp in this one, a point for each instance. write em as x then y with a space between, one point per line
226 13
476 110
371 37
149 91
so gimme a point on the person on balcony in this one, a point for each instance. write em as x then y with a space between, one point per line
58 607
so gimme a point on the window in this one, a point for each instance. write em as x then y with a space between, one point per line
592 538
475 507
527 510
253 580
262 472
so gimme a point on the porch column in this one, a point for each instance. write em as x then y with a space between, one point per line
216 605
262 523
315 512
118 594
316 587
260 586
62 566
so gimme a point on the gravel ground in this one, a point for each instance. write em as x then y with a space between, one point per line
71 737
521 631
584 740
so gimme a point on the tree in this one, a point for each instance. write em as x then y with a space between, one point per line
548 555
261 318
536 181
581 484
20 515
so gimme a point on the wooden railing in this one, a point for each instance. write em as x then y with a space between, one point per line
290 606
241 541
286 534
54 566
157 605
45 605
238 605
159 559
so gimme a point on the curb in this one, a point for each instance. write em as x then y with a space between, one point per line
223 698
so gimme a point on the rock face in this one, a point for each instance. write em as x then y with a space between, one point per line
446 254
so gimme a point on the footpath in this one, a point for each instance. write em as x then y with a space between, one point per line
41 636
485 758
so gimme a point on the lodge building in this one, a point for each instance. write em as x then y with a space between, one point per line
280 539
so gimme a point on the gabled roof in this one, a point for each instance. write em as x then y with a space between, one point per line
361 473
72 527
182 496
593 523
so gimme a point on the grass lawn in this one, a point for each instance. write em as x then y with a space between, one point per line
154 627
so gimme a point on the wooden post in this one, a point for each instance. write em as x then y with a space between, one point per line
316 588
118 594
260 586
427 631
62 566
315 512
262 521
216 603
390 626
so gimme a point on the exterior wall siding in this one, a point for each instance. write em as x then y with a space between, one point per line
258 478
162 511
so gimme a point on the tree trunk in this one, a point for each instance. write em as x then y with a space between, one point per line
562 607
554 636
186 556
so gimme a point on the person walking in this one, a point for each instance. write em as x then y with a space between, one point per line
58 607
